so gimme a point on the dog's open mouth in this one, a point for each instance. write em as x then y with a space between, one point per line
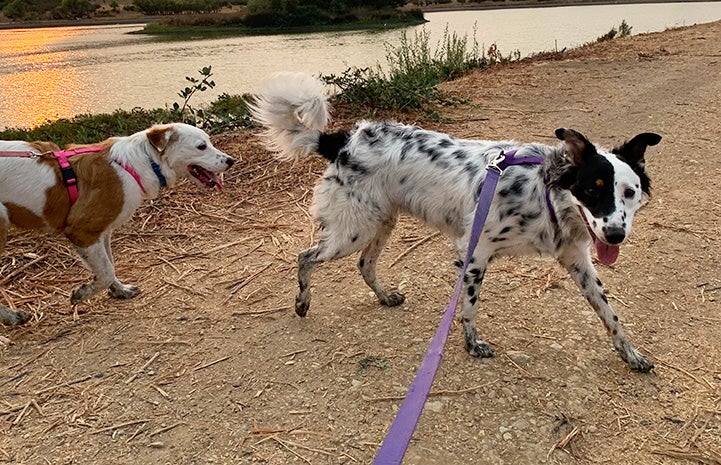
206 178
607 254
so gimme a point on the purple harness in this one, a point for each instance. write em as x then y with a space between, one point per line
399 435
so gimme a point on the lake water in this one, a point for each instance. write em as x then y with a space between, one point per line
51 73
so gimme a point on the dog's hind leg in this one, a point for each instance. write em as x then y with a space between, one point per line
96 259
369 260
579 265
8 316
336 243
118 289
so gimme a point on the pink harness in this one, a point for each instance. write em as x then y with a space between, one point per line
66 171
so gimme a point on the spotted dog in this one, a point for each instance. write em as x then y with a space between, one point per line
580 195
112 179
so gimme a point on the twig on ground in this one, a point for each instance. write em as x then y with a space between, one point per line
142 369
413 247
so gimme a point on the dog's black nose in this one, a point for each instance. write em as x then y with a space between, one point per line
229 161
615 235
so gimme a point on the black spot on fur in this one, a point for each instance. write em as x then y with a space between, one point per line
330 145
445 143
508 212
354 238
471 169
335 179
515 189
584 280
371 135
605 299
345 161
459 155
407 147
361 263
507 229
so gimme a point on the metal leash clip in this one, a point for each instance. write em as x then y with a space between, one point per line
494 164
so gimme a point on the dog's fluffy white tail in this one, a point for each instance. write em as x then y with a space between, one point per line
294 109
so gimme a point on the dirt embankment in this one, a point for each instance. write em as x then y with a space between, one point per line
210 365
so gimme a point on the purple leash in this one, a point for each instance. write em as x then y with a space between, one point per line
399 434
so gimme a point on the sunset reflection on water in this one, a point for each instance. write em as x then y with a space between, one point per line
62 72
32 84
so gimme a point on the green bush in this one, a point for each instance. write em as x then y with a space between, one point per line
414 69
623 30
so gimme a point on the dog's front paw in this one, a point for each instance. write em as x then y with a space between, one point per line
11 317
393 299
301 306
123 291
638 362
479 349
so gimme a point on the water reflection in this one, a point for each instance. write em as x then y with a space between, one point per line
38 89
61 72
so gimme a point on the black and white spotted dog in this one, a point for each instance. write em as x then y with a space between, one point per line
379 170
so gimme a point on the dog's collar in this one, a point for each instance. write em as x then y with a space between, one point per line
156 169
158 173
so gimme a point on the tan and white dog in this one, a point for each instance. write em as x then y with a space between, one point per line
111 184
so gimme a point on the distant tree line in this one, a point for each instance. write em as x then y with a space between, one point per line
259 13
289 13
47 9
174 7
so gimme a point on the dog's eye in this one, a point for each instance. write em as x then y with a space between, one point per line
202 147
629 193
591 192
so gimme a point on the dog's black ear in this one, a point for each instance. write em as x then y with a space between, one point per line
159 136
578 147
633 151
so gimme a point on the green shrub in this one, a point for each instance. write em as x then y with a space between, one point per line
623 30
414 69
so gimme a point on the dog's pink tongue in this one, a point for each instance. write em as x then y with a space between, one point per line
607 254
218 181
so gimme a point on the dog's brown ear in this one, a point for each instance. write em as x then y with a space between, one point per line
634 150
577 146
159 136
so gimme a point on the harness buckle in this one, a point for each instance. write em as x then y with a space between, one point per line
493 165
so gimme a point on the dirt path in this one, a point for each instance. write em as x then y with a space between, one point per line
211 366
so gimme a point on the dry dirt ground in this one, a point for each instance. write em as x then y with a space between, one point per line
210 365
